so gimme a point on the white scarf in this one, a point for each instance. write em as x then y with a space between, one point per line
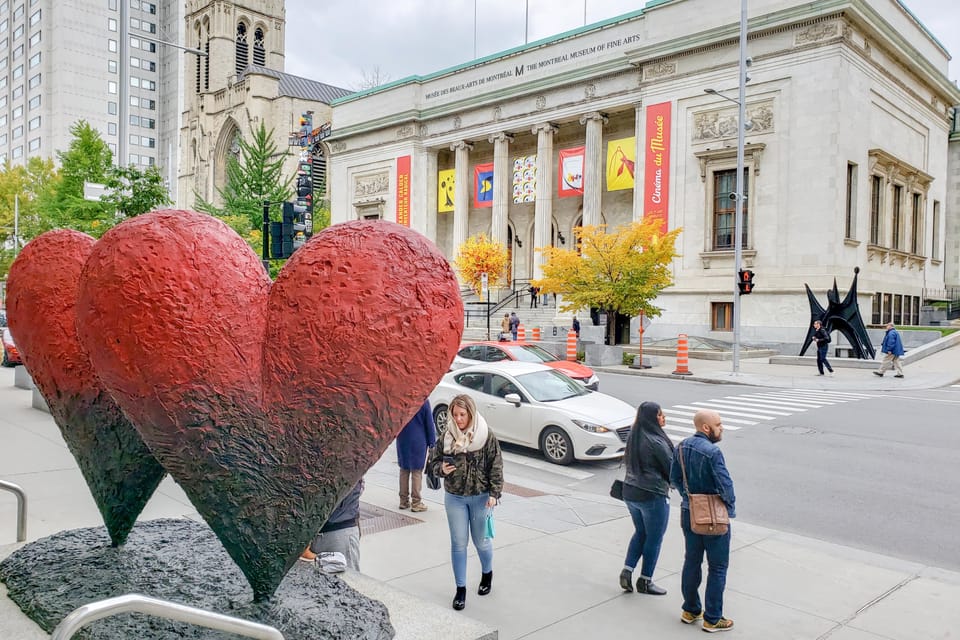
470 439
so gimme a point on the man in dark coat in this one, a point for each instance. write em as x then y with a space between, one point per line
412 444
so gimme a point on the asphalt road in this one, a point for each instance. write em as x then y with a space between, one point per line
875 471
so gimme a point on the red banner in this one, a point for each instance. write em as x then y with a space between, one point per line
403 190
656 192
570 167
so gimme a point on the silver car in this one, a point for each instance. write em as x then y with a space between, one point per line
539 407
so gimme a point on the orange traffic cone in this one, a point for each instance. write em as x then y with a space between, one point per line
682 355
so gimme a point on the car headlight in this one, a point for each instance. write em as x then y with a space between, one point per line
591 427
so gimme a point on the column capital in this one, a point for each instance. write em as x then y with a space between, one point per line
545 127
462 144
594 115
502 136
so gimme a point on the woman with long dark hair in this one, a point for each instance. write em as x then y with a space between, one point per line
646 487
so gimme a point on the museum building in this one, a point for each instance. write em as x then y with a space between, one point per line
852 153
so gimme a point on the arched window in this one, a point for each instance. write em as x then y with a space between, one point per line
259 54
242 54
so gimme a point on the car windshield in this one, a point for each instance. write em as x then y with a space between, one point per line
530 353
550 386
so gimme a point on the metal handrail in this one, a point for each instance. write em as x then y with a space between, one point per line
17 490
134 602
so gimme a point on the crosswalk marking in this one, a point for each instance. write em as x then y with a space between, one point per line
750 409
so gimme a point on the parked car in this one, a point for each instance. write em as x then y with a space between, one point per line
11 357
537 406
476 352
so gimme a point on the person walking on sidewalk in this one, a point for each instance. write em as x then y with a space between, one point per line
646 488
892 348
412 444
468 459
822 337
706 472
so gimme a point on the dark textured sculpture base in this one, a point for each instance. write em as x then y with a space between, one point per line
181 561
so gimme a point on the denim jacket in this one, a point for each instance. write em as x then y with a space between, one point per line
706 471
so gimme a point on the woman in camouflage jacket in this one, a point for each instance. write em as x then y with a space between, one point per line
468 459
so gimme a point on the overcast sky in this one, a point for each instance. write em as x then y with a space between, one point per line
338 41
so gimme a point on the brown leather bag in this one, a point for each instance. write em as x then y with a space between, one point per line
708 512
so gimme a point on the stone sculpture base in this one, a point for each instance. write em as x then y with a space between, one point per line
180 561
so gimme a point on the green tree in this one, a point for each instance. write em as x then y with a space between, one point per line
619 272
131 191
87 159
256 176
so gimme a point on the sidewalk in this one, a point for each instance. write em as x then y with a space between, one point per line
937 370
558 555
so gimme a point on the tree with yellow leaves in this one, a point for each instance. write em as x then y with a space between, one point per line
479 255
619 272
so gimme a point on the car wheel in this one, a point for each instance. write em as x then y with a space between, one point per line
440 419
556 446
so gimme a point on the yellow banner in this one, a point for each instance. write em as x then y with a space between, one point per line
445 190
621 162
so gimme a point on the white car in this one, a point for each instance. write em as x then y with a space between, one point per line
536 406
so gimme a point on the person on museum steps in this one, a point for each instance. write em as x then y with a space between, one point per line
341 532
706 472
468 458
822 338
412 444
646 488
892 348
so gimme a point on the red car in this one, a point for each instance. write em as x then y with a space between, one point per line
477 352
11 357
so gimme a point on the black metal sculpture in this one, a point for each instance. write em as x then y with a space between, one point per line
841 316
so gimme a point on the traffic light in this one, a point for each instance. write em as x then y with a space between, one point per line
745 281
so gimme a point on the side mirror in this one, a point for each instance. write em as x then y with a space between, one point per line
513 398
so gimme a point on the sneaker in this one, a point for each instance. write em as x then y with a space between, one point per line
720 625
689 618
899 375
418 507
877 373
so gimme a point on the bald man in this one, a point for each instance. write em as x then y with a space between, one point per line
706 472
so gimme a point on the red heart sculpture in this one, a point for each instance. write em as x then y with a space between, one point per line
41 306
267 403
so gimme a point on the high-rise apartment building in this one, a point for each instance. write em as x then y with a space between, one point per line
102 61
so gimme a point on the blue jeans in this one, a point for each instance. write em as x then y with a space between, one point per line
649 524
822 358
466 517
718 558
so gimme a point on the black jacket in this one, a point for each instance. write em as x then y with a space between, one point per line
647 457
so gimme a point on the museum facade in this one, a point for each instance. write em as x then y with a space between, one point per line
852 153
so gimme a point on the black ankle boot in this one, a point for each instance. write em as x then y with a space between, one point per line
486 582
460 600
626 580
645 585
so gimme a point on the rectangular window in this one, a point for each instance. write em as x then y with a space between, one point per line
724 208
916 228
851 217
876 188
935 223
895 220
34 144
721 316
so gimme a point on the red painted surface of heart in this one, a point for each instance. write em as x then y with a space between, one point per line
41 308
267 403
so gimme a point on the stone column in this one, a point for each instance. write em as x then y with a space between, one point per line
640 131
543 207
461 195
501 186
592 167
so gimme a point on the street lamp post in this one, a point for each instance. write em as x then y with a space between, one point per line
739 196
